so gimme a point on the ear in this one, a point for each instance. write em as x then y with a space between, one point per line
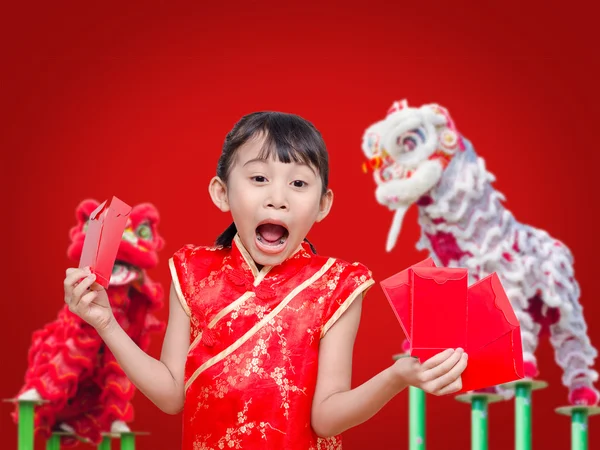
218 194
325 205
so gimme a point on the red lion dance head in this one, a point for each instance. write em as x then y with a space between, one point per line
84 390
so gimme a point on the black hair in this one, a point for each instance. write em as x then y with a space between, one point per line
288 138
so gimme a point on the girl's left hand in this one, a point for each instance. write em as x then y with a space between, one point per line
439 375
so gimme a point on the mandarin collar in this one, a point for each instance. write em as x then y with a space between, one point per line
241 260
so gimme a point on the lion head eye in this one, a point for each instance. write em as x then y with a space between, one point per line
144 232
409 141
408 144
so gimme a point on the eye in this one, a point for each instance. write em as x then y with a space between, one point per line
409 141
144 232
299 183
259 179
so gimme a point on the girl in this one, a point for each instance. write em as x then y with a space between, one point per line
258 348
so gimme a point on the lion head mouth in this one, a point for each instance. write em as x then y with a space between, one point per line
124 273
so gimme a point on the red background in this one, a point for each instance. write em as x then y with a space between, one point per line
136 102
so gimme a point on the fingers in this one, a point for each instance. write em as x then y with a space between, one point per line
453 387
74 297
444 367
84 285
72 274
87 299
96 287
451 381
72 278
437 359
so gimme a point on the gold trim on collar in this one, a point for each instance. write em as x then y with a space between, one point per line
258 275
237 344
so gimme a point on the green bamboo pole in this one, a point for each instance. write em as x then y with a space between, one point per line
523 430
579 436
579 423
523 416
54 442
479 424
416 414
127 441
416 419
105 444
479 416
25 427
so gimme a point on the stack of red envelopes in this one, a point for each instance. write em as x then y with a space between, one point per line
103 237
438 310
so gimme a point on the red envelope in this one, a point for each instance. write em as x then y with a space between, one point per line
437 311
397 290
494 337
103 237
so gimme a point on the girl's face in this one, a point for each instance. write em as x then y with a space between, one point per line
273 204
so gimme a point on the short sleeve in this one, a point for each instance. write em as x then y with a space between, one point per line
355 281
179 264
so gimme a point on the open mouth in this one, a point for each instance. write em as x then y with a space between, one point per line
271 237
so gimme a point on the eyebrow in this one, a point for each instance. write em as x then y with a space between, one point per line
254 160
264 161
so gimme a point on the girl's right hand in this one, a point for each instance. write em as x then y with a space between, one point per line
439 375
87 299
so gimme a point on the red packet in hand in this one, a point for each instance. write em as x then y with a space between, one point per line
397 290
437 311
494 337
103 237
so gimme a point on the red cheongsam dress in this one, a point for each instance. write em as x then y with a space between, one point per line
251 368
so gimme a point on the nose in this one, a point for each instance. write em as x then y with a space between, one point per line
373 164
276 199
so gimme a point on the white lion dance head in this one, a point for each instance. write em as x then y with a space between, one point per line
408 152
